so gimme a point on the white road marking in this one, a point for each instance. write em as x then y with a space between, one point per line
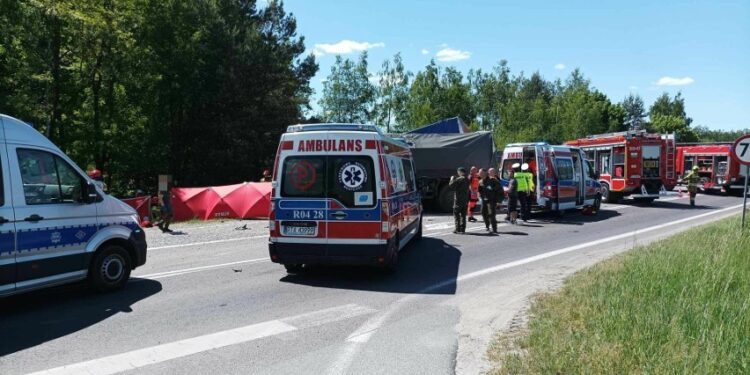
363 334
162 275
207 242
136 359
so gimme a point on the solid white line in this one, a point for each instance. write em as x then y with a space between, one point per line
206 242
136 359
363 334
162 275
148 356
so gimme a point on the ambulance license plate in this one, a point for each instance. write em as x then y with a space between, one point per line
299 228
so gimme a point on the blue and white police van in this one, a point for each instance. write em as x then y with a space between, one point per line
56 225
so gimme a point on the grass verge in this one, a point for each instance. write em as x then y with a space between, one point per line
680 305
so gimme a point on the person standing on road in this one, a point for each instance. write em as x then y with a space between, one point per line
266 176
525 189
490 189
474 195
692 179
461 194
513 195
165 200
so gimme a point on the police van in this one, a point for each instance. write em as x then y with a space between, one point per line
56 225
563 177
342 194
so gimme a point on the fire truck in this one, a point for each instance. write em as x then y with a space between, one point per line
637 164
717 171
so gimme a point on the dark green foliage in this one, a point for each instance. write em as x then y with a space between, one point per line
200 90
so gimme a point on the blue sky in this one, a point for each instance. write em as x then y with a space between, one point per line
701 48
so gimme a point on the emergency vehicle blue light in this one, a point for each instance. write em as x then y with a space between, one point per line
527 144
335 127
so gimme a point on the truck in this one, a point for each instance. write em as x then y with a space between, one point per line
718 172
637 164
439 149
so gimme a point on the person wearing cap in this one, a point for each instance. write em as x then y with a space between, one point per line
461 194
474 192
692 179
489 190
525 190
266 176
96 175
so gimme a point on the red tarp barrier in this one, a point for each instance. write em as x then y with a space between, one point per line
248 200
142 205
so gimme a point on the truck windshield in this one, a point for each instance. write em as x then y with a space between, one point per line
651 158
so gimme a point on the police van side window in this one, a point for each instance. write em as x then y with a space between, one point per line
564 169
47 179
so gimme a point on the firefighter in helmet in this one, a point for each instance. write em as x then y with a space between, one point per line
692 179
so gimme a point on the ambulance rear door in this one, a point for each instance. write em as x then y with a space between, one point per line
567 185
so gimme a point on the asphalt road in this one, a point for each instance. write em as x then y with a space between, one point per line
209 301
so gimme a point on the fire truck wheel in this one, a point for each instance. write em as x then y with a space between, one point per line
445 199
609 196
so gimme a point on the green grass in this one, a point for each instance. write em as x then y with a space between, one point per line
677 306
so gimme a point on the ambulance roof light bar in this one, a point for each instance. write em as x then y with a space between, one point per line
527 144
336 127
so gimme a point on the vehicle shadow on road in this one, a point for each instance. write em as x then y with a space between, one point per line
577 218
34 318
684 205
429 266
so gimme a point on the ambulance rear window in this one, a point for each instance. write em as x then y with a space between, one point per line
352 180
304 176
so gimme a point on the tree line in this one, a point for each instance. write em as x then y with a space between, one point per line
516 107
203 89
197 89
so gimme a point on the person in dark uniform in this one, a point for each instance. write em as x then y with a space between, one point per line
490 190
461 194
165 200
266 176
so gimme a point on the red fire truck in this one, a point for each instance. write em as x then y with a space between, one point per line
633 163
717 170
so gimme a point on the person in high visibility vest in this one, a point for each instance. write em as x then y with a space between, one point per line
692 179
525 190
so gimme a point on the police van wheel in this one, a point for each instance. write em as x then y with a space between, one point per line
418 236
110 269
597 203
294 268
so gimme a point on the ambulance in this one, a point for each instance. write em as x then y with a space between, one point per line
56 225
342 194
564 179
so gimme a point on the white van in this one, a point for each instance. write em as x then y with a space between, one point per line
343 194
56 226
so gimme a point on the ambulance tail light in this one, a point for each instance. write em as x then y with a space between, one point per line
384 218
272 219
549 190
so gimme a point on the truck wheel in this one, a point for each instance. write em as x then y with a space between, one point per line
418 236
445 200
294 268
110 269
608 196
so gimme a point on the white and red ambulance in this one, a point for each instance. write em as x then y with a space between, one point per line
342 194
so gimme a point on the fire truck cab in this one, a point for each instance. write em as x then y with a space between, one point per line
564 179
633 163
717 171
342 194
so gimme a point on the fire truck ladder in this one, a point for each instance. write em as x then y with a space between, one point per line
670 138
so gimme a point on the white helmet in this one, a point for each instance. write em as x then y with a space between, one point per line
515 166
525 167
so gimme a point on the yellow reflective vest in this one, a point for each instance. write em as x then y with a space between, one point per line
525 181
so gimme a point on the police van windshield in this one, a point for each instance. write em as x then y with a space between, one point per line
349 179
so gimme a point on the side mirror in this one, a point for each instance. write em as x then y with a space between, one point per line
91 194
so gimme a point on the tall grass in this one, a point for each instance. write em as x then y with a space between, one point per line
677 306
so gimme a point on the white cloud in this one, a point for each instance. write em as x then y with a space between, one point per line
425 51
344 47
560 66
674 81
633 88
450 54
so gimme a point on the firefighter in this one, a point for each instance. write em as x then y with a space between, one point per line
460 186
692 179
490 190
474 192
525 190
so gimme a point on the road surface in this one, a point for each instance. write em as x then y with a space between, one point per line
209 301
